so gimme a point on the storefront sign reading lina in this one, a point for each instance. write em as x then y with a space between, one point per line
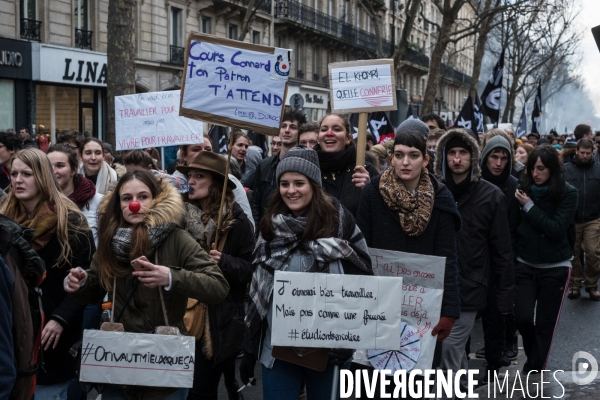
70 66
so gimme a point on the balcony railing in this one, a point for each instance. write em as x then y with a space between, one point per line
265 5
308 17
83 39
177 54
449 72
416 57
30 29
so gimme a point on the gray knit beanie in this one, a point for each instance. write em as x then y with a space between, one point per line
302 160
414 124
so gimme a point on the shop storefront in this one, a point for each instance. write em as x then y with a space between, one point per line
316 100
15 82
70 89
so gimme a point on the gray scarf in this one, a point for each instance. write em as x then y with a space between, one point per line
203 233
121 243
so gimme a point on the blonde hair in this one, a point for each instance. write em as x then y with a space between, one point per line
47 185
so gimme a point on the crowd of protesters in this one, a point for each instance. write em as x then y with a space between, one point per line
516 219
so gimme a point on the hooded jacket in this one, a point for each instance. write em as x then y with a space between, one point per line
483 242
586 179
509 186
382 230
194 274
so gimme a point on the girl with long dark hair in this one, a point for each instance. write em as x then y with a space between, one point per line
303 230
540 216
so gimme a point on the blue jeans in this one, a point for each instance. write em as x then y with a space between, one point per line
51 392
116 393
284 381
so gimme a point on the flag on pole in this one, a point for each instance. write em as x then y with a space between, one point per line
218 138
354 125
378 124
466 118
478 114
536 115
410 113
490 98
522 126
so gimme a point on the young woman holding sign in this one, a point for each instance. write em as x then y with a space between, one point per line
341 177
302 230
407 209
221 340
141 242
63 239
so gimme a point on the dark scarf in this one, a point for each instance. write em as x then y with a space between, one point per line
457 189
337 161
413 207
93 178
316 255
43 221
493 179
84 190
537 192
121 243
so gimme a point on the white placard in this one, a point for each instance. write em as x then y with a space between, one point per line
232 83
152 120
336 311
421 299
124 358
362 86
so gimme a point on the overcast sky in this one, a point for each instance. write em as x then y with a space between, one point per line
590 66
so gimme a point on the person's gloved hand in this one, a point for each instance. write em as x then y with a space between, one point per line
443 328
247 368
340 356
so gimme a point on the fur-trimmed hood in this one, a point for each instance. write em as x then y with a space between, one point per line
119 169
440 153
167 207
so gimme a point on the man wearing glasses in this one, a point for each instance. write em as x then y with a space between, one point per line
275 145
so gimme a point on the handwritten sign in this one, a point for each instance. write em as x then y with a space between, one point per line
124 358
421 299
362 86
152 120
227 82
336 311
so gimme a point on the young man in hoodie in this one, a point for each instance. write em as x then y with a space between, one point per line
496 168
483 245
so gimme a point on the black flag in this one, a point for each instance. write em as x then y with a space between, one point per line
490 98
381 127
410 114
466 119
478 114
522 126
354 125
258 139
536 115
218 138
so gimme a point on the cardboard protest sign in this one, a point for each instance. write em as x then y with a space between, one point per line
421 299
152 120
124 358
336 311
362 86
232 83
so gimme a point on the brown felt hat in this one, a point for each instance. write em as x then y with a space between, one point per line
208 161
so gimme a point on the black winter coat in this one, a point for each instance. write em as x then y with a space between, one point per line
509 187
61 307
339 185
227 318
381 228
586 179
263 187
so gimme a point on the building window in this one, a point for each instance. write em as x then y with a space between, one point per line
233 31
83 32
30 24
176 27
423 87
279 41
256 37
7 104
315 64
29 9
206 25
299 66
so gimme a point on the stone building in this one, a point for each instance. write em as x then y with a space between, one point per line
53 52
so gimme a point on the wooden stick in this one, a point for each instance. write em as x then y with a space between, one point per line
361 143
224 192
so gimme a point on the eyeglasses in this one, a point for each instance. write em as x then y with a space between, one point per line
276 144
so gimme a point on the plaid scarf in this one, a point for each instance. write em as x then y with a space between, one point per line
121 243
316 255
413 207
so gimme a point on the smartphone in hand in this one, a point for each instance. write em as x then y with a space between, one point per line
138 266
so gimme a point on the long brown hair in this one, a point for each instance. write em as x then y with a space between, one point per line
46 182
323 218
111 218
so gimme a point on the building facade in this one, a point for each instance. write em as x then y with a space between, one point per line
53 52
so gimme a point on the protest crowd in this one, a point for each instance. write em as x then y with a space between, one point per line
516 219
